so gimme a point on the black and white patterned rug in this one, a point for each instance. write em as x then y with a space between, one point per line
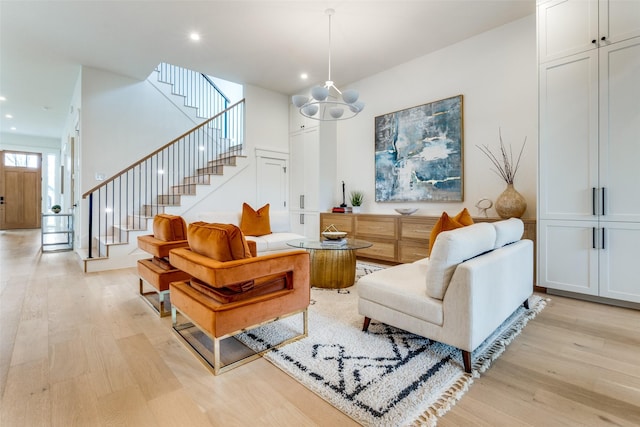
386 377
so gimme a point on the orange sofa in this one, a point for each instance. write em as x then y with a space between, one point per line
231 290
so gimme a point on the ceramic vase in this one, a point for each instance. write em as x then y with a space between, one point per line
356 209
510 204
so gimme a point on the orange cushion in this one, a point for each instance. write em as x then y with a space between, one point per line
464 217
169 227
255 223
253 288
445 223
222 242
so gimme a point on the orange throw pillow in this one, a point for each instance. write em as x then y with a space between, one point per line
222 242
446 223
255 223
464 217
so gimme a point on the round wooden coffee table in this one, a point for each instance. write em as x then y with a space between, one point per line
333 265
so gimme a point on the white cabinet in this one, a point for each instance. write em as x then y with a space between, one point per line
304 153
566 27
620 131
588 192
306 223
596 258
567 259
313 156
618 272
568 133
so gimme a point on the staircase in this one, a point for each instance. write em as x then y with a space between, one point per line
171 179
197 89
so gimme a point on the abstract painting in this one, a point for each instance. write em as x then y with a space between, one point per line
419 153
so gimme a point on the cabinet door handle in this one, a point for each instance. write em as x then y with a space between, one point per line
603 192
593 237
594 41
302 201
301 218
603 38
594 195
602 245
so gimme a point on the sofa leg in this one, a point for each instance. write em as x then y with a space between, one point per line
526 304
365 325
466 359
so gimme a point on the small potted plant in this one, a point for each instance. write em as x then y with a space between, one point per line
356 200
56 209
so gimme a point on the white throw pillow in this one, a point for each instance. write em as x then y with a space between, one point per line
452 248
508 231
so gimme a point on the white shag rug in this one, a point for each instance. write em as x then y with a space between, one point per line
385 377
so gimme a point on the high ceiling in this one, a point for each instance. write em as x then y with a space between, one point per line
262 43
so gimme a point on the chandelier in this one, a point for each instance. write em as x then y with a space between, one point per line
328 102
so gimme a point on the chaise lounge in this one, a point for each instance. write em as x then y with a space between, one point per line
474 279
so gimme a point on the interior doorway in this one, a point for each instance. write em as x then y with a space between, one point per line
272 180
20 190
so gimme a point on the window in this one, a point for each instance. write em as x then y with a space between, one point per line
21 160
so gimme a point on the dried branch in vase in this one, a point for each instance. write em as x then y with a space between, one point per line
507 168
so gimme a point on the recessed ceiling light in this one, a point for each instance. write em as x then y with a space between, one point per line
194 36
8 116
304 76
14 128
2 98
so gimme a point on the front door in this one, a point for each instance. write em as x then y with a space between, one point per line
20 190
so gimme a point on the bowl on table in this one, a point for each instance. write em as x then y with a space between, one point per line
334 235
406 211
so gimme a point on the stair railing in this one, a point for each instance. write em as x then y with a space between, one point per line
198 89
140 191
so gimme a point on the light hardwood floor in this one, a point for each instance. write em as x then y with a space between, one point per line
85 350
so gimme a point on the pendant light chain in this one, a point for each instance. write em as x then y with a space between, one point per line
324 106
330 12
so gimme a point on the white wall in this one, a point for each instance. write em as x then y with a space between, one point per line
123 120
496 74
267 119
267 127
70 158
